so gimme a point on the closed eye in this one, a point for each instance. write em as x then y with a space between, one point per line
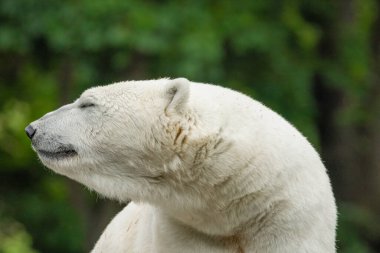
86 105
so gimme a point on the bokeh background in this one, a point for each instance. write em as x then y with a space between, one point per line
316 62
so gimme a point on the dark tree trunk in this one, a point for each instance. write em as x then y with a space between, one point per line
372 106
351 151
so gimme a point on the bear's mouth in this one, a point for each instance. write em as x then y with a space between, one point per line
59 154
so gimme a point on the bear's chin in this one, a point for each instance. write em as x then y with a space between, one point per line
62 162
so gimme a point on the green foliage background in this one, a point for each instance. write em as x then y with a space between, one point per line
283 53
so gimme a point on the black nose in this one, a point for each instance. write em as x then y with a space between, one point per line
30 131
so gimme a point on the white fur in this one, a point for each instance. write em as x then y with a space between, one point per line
207 168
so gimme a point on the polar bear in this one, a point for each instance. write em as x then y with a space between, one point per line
208 169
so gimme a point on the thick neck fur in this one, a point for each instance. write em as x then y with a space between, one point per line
192 190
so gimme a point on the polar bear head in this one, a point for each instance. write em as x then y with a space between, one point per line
208 156
117 139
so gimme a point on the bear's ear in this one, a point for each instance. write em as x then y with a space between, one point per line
177 92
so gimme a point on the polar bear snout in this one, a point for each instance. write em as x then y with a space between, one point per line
49 137
49 145
30 131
